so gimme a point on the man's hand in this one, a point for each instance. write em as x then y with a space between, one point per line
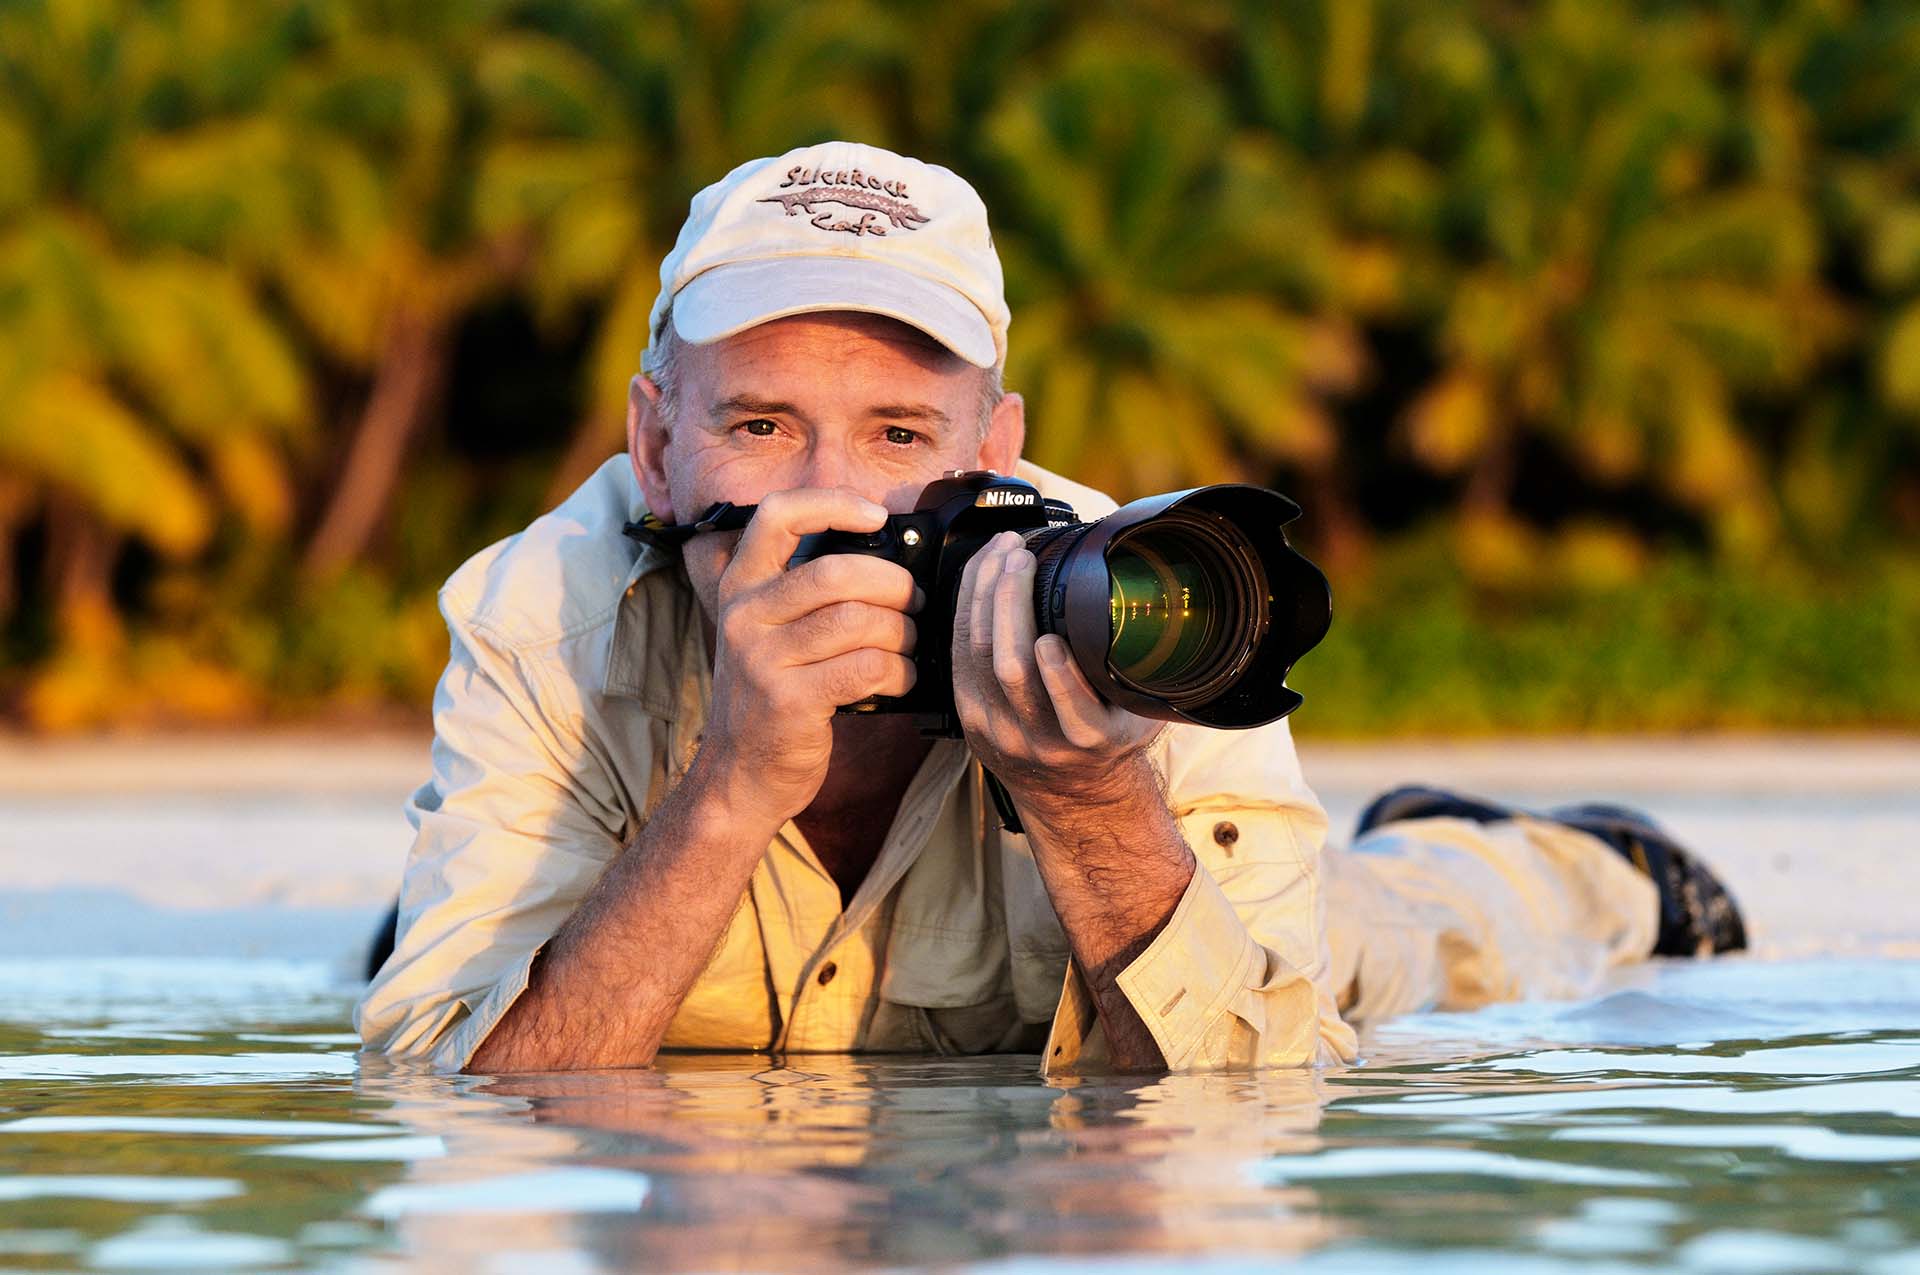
1030 714
794 645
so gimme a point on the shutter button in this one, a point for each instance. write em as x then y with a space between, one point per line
827 972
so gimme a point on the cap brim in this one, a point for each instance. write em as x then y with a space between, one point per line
731 298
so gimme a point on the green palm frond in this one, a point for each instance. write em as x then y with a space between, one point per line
70 431
1150 241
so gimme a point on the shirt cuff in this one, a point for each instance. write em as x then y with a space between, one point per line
458 1045
1196 969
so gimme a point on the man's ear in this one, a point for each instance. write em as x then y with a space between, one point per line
1006 435
647 445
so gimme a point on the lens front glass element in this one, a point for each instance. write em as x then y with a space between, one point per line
1181 606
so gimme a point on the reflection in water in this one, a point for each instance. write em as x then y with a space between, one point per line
890 1161
1684 1123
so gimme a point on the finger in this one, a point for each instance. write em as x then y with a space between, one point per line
848 626
1013 632
980 611
849 678
782 518
838 577
963 595
1085 719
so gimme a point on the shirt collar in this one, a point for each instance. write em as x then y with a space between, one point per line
656 649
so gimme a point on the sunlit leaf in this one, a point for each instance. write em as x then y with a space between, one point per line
1451 422
1899 361
619 341
19 175
74 433
1894 247
254 481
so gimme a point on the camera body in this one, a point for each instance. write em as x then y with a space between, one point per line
955 517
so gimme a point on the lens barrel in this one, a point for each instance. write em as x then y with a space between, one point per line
1189 606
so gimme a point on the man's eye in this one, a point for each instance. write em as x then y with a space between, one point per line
901 435
761 427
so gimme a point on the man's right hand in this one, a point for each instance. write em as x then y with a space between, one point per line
793 645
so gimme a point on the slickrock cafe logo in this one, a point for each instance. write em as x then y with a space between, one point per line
868 195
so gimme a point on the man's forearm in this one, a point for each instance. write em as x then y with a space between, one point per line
1115 866
605 987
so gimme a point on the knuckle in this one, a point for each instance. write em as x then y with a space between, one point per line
839 620
837 572
1081 735
735 625
851 678
900 581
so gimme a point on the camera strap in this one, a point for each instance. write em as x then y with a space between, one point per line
724 516
1003 803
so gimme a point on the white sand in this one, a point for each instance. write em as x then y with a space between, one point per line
292 843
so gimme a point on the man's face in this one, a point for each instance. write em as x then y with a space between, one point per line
816 400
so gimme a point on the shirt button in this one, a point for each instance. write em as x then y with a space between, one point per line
827 972
1225 834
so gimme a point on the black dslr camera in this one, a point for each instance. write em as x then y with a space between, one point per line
1189 606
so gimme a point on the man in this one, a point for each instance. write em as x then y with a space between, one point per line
646 827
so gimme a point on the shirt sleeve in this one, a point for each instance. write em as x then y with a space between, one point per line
512 830
1239 976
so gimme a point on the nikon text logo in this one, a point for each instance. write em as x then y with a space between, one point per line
1000 497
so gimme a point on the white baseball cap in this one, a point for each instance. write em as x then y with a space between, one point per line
838 226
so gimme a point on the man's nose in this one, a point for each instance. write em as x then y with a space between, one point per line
829 465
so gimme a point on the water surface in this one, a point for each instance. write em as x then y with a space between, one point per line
211 1115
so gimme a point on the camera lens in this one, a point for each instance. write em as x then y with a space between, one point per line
1190 605
1186 605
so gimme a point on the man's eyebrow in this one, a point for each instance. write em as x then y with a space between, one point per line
909 412
756 406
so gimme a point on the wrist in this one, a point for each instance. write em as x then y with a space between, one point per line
719 791
1117 789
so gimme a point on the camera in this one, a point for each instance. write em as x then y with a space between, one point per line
1189 606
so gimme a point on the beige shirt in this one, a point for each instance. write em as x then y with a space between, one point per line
573 699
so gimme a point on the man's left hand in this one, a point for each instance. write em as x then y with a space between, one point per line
1029 713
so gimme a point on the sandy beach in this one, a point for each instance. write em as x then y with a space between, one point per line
290 844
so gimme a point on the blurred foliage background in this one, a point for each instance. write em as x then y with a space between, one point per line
1586 331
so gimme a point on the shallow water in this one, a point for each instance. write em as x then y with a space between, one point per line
161 1109
208 1115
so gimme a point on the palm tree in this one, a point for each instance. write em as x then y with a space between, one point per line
1842 88
393 89
1627 282
1168 328
143 386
